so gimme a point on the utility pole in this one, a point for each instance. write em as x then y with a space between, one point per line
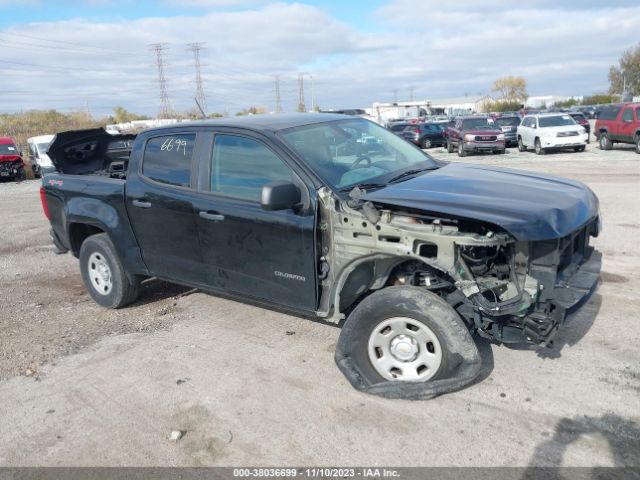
301 105
412 91
276 87
200 97
159 49
395 95
313 100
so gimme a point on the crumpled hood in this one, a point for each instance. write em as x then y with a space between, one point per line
530 206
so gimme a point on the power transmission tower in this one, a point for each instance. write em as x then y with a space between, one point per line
395 95
412 91
276 86
159 49
301 106
200 97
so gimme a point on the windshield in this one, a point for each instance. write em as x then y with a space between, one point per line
481 123
507 121
556 121
350 152
8 149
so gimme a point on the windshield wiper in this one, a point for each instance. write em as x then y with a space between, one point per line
364 186
409 173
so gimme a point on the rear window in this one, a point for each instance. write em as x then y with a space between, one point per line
609 113
167 159
507 121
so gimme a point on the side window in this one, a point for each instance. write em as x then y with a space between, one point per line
638 114
627 115
167 159
240 166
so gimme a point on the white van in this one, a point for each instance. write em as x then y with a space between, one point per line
40 161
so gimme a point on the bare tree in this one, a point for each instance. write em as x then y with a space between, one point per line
627 73
512 89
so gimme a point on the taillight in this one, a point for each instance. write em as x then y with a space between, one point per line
417 130
45 207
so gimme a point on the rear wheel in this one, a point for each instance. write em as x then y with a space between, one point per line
539 149
103 273
579 149
426 143
461 150
638 144
521 147
605 141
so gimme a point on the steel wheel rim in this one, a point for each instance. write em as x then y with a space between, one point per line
427 143
100 274
404 349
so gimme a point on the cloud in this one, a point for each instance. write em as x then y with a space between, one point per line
442 50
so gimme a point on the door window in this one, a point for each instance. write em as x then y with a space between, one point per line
167 159
627 115
241 166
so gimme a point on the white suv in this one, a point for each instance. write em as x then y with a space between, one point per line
551 131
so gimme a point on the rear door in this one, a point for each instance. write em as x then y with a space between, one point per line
160 197
269 255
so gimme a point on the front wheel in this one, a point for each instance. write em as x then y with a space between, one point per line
521 147
406 337
538 147
449 147
461 151
579 149
103 274
638 144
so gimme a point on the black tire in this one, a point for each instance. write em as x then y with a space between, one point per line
461 151
122 291
425 143
449 147
638 144
605 142
422 307
538 147
500 152
579 149
521 147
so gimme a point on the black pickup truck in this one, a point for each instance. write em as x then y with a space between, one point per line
334 218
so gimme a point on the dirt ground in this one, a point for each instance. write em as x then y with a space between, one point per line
81 385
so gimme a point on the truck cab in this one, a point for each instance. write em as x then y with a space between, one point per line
618 124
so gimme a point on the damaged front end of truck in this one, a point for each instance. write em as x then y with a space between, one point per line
507 290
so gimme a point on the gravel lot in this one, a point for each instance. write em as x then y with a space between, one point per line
83 386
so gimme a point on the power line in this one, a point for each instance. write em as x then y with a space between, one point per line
159 49
200 97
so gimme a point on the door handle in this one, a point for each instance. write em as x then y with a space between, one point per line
141 204
216 217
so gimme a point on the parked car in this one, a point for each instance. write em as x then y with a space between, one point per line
425 135
475 134
618 124
408 254
398 127
509 126
581 120
550 131
11 163
589 111
40 161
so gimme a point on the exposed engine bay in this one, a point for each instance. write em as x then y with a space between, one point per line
507 290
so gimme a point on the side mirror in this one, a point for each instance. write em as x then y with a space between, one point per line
280 195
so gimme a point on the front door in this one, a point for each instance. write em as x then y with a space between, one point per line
268 255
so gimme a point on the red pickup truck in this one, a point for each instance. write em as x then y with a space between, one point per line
618 124
473 135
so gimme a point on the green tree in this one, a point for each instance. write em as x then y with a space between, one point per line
511 89
628 69
122 115
599 99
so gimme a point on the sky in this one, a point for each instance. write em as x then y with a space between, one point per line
95 54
